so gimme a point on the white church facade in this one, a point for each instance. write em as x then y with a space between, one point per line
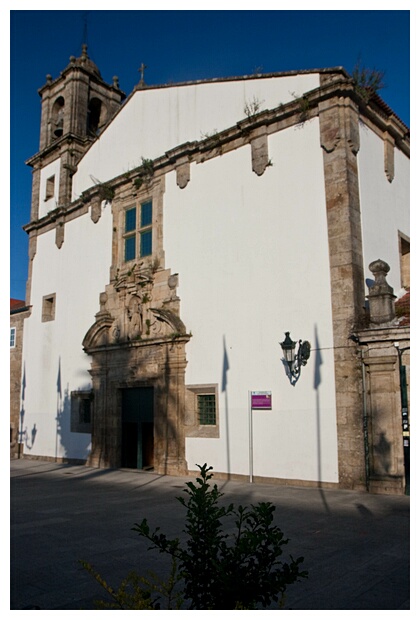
175 237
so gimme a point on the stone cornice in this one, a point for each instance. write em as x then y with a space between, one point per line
65 141
48 222
244 78
392 333
298 111
74 67
22 310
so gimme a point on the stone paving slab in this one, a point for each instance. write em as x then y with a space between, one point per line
356 545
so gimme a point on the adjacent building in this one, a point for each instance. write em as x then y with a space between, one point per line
18 313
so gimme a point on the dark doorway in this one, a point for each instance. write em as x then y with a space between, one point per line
137 428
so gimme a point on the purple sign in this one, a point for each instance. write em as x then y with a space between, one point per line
260 400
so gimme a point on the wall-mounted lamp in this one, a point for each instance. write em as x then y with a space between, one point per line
294 361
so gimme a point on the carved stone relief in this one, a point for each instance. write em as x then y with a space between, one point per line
138 339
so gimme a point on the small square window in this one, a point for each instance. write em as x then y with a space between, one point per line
12 337
48 308
206 407
201 411
49 187
81 412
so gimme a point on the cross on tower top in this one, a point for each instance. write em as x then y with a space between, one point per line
141 70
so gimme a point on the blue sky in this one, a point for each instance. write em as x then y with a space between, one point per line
184 45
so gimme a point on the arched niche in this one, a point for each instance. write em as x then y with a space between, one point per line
97 113
57 118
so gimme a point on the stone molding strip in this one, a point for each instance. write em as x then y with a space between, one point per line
244 132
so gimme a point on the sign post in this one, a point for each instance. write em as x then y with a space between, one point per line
251 456
259 401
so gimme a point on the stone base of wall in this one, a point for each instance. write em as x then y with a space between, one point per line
387 485
52 459
271 480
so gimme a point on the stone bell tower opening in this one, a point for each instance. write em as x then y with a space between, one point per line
57 118
75 108
94 116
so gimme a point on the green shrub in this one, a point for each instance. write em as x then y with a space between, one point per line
222 571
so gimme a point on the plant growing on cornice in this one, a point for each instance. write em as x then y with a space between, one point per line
252 107
146 173
367 81
209 134
85 196
176 335
106 192
147 165
304 106
213 139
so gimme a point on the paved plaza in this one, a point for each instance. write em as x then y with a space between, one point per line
355 545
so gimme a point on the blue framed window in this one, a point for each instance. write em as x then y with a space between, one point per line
146 243
130 248
146 214
130 219
138 231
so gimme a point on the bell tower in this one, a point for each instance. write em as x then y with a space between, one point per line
75 108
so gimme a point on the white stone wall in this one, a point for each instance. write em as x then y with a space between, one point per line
385 206
252 258
53 355
155 120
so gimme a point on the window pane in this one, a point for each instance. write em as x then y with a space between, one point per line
130 248
130 220
84 411
146 243
146 214
12 336
206 404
